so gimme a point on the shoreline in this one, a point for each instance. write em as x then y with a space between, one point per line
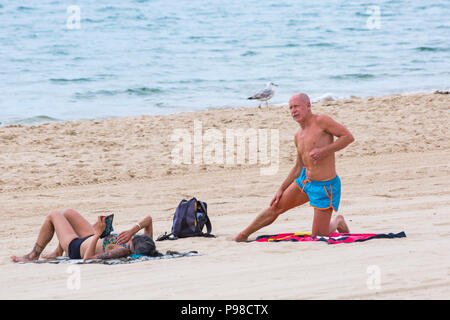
326 97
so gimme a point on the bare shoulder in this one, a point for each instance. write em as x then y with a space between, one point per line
328 123
331 126
324 120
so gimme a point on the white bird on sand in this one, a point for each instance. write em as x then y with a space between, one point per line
264 94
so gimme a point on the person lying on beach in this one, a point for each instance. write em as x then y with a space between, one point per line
81 240
313 177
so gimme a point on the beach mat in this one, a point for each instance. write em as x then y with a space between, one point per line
126 260
333 238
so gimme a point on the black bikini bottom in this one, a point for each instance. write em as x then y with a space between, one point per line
74 247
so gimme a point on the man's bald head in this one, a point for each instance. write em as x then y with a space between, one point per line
300 107
301 99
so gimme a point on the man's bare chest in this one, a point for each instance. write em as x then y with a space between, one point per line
311 138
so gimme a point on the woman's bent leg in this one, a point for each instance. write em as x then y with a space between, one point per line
79 224
55 221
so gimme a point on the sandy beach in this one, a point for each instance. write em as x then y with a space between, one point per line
395 177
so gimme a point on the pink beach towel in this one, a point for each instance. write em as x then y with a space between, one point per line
332 238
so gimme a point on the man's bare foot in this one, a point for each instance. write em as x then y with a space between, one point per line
342 226
26 258
240 237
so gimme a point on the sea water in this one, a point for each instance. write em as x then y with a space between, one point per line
72 60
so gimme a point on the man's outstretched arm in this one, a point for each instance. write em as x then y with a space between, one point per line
293 174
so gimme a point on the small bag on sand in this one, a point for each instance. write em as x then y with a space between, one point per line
189 220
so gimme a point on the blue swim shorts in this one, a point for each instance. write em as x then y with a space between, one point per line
322 194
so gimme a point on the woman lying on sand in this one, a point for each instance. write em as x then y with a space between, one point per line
79 239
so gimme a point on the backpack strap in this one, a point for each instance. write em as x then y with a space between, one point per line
208 225
203 206
208 235
166 236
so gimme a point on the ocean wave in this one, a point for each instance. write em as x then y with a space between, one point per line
89 20
353 76
325 97
431 49
321 44
59 52
63 80
278 46
23 8
93 94
328 97
280 5
140 17
362 14
30 120
355 29
108 8
249 53
143 91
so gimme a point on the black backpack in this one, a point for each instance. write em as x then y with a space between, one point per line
189 220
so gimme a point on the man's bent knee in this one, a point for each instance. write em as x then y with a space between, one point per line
276 210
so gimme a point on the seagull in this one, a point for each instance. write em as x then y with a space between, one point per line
264 94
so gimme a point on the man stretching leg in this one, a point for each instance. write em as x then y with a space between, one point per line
313 178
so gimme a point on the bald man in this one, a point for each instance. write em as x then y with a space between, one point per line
313 178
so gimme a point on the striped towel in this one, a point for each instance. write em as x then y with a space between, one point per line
332 238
